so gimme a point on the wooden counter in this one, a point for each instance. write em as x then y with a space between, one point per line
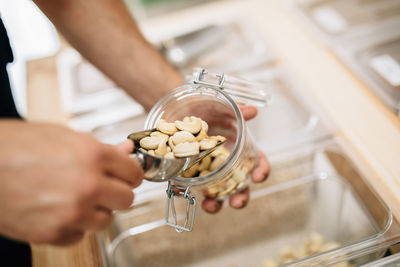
359 117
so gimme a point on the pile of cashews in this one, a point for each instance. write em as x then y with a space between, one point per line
312 245
179 139
235 180
187 138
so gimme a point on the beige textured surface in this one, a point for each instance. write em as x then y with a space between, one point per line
360 117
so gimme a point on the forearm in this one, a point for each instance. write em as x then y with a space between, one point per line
104 32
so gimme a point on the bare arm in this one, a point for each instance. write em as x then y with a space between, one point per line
105 33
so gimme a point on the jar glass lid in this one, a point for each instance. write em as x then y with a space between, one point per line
240 90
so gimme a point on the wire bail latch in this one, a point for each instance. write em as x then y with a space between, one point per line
174 191
200 79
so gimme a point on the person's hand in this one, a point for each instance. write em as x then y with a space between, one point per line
260 173
56 183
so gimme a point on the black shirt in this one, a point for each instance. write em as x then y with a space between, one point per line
7 106
11 253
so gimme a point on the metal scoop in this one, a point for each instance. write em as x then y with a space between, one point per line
159 169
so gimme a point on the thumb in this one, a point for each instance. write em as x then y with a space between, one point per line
126 147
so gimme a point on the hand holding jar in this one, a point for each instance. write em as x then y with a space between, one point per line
259 174
217 119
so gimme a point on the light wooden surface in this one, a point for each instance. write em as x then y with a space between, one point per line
85 253
359 117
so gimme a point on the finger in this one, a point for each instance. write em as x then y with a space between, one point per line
101 219
211 205
248 112
68 237
239 200
262 169
114 194
125 147
96 219
121 166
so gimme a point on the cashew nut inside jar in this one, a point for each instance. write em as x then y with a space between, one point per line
227 169
183 139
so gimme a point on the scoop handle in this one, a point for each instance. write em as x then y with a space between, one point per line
158 169
139 158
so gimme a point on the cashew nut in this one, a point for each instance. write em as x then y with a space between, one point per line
269 263
205 163
204 125
250 161
162 148
220 150
186 149
239 175
230 186
190 124
149 142
207 143
218 138
171 144
218 161
241 185
169 155
328 246
191 172
142 149
159 134
211 191
313 243
166 127
203 133
182 137
287 252
205 172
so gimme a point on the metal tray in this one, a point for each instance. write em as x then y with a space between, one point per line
374 56
224 47
291 117
142 9
337 18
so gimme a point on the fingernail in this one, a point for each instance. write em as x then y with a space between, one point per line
211 206
238 203
242 204
216 207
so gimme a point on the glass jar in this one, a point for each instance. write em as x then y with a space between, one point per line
211 97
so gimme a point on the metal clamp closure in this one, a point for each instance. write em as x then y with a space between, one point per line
180 192
200 79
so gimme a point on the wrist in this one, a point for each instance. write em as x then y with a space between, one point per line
156 87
